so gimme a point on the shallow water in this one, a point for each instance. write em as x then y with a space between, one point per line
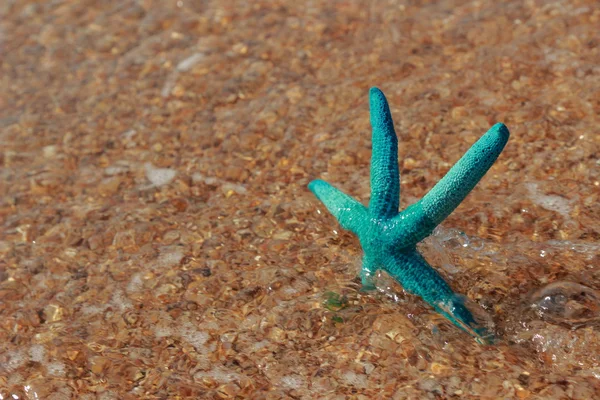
157 239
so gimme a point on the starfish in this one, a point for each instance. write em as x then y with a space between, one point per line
389 237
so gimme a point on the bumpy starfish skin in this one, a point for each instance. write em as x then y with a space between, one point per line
389 238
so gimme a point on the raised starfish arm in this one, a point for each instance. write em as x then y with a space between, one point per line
385 178
344 208
451 190
418 220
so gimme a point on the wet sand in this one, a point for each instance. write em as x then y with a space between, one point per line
158 241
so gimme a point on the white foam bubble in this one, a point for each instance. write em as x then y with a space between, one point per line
121 301
193 336
354 379
549 202
190 62
170 257
37 353
136 284
14 359
56 368
159 176
219 374
293 381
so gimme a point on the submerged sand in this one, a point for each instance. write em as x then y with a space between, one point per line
157 239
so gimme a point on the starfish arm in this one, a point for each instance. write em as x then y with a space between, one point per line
417 277
349 212
451 190
385 178
411 226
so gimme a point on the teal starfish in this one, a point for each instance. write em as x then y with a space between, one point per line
389 238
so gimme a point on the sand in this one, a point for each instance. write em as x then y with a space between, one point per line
158 241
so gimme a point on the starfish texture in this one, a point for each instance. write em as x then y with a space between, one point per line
389 238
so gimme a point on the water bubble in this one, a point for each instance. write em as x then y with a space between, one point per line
453 239
477 243
589 250
384 284
567 303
